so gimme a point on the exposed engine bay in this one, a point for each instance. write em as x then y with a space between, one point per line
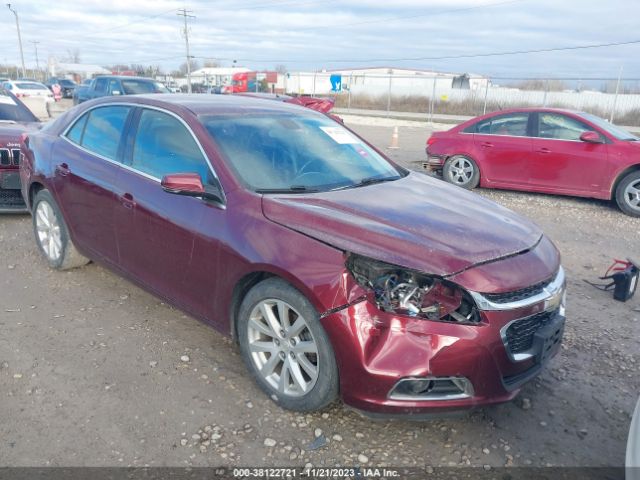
406 292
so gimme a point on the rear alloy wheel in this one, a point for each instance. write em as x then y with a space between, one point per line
286 348
461 171
52 235
628 194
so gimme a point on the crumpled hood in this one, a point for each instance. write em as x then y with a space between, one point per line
417 222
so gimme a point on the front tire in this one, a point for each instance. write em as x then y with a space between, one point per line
52 234
628 194
285 347
462 171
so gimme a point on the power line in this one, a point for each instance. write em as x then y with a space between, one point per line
445 57
513 52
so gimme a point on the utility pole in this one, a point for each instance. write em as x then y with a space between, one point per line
186 14
24 72
35 45
615 98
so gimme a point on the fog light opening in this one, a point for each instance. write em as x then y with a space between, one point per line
446 388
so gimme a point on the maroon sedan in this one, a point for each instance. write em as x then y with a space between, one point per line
337 271
541 150
15 119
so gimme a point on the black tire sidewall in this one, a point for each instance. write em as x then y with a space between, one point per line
45 196
325 390
619 193
475 178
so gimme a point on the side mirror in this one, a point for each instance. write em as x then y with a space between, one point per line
591 137
190 185
115 92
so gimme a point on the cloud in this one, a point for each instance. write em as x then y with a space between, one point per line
314 34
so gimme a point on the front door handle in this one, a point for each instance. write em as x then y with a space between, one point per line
486 145
543 150
127 201
62 169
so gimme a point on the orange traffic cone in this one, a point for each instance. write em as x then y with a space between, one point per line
394 139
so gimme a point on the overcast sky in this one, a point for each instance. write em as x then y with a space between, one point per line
311 34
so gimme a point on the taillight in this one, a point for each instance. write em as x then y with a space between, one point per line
431 140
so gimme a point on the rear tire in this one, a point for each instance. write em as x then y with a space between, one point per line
285 347
462 171
627 194
52 234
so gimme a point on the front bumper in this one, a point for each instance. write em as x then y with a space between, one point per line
376 350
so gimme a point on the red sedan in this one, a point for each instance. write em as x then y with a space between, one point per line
541 150
337 271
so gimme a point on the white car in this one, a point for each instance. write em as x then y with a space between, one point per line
633 447
26 88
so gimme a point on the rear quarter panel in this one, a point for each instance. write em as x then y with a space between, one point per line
450 143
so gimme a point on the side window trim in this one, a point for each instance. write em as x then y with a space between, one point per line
132 125
134 130
536 129
473 129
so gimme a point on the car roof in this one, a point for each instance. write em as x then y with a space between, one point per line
207 104
127 77
535 109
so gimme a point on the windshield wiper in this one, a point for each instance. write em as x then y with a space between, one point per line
291 189
372 180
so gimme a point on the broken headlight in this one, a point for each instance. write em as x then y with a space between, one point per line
407 292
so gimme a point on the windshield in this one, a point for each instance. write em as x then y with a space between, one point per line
296 152
30 86
13 111
132 87
611 129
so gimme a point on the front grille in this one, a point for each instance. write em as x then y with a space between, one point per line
518 295
7 156
520 333
10 198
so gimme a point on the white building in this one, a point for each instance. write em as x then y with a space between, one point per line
377 81
76 71
216 75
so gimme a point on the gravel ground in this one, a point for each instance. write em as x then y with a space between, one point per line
96 372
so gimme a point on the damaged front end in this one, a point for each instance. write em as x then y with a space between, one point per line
406 292
417 343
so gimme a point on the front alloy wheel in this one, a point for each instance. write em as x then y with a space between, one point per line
627 194
283 348
286 348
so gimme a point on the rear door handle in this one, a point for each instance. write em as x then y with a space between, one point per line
544 150
486 145
62 169
127 201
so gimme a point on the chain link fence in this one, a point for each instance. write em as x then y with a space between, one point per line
617 100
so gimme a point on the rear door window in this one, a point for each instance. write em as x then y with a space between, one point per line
102 130
512 124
